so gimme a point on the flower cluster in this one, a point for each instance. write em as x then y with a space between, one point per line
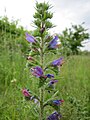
54 116
37 71
55 104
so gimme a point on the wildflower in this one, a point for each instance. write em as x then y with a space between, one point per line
26 93
30 38
54 43
54 116
37 71
49 75
54 103
57 102
58 62
52 82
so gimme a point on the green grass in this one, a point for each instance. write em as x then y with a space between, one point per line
73 86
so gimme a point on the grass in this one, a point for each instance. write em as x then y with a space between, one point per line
73 87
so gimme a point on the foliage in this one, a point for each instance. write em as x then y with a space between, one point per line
14 35
8 27
71 38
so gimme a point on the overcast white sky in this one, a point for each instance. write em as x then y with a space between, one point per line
65 13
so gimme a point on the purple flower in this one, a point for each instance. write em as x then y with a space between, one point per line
57 102
58 62
26 93
49 75
54 116
53 81
37 71
54 43
30 38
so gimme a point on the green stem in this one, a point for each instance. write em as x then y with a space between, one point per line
41 103
41 89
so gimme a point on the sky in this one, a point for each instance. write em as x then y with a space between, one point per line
65 13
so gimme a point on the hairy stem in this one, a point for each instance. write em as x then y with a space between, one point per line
41 103
41 89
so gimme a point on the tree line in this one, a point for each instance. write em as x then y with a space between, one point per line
71 38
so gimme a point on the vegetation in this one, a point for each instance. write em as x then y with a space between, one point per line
12 36
73 86
72 38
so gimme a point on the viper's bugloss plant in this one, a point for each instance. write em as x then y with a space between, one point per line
41 43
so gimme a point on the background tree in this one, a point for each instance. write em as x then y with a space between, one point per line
72 38
12 35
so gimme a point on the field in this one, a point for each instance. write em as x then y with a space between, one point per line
73 87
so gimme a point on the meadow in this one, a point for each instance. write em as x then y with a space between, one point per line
73 86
